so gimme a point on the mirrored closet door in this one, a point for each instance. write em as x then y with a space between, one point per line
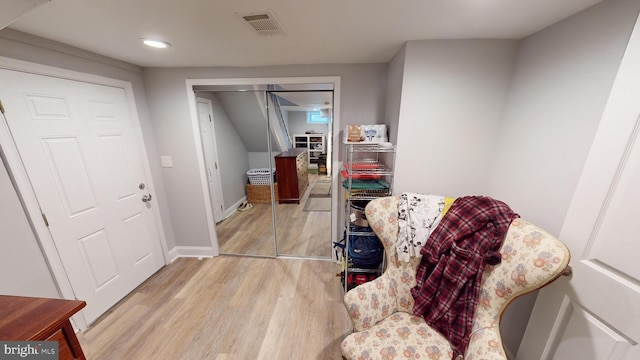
267 158
237 127
303 211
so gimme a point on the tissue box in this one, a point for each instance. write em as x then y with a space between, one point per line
367 134
374 133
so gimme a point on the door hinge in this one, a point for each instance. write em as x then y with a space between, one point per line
44 217
216 164
210 118
1 107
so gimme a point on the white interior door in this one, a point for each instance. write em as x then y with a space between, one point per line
205 116
596 313
78 147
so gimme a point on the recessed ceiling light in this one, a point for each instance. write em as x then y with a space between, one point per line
156 43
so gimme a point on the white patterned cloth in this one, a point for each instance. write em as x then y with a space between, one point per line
418 216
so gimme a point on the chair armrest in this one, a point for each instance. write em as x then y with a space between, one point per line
486 343
371 302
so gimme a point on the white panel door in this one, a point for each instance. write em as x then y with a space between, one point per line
205 116
596 313
77 143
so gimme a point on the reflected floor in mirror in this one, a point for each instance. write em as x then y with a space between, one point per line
301 232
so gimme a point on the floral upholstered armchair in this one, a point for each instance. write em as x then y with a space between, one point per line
381 310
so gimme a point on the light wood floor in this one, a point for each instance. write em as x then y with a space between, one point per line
302 233
227 307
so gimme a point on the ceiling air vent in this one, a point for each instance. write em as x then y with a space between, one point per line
263 23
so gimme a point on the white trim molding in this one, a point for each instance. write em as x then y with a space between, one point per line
191 252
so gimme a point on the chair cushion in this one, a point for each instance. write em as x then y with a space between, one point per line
401 336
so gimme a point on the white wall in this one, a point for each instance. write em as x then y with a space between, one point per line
362 90
23 269
453 93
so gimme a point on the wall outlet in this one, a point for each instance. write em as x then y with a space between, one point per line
166 161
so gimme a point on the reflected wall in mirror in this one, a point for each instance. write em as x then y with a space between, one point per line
256 131
237 128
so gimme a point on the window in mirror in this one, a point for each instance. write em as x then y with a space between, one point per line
316 117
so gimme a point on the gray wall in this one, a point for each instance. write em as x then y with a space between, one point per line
17 45
14 234
453 93
298 124
362 90
512 120
394 94
23 269
560 85
232 154
260 160
247 116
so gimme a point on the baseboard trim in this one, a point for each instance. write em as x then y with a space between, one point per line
509 354
232 209
191 251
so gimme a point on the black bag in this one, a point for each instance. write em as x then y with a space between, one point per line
365 251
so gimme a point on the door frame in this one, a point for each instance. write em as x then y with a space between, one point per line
193 110
25 189
214 154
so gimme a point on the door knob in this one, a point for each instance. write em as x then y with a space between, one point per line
146 198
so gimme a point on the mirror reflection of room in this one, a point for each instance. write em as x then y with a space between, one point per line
303 222
268 162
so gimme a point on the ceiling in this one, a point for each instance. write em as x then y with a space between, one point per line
211 33
305 100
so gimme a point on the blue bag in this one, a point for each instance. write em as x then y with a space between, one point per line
365 251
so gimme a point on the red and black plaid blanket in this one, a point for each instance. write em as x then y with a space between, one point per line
453 260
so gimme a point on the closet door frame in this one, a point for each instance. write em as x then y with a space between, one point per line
192 101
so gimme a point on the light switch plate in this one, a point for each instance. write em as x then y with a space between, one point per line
166 161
